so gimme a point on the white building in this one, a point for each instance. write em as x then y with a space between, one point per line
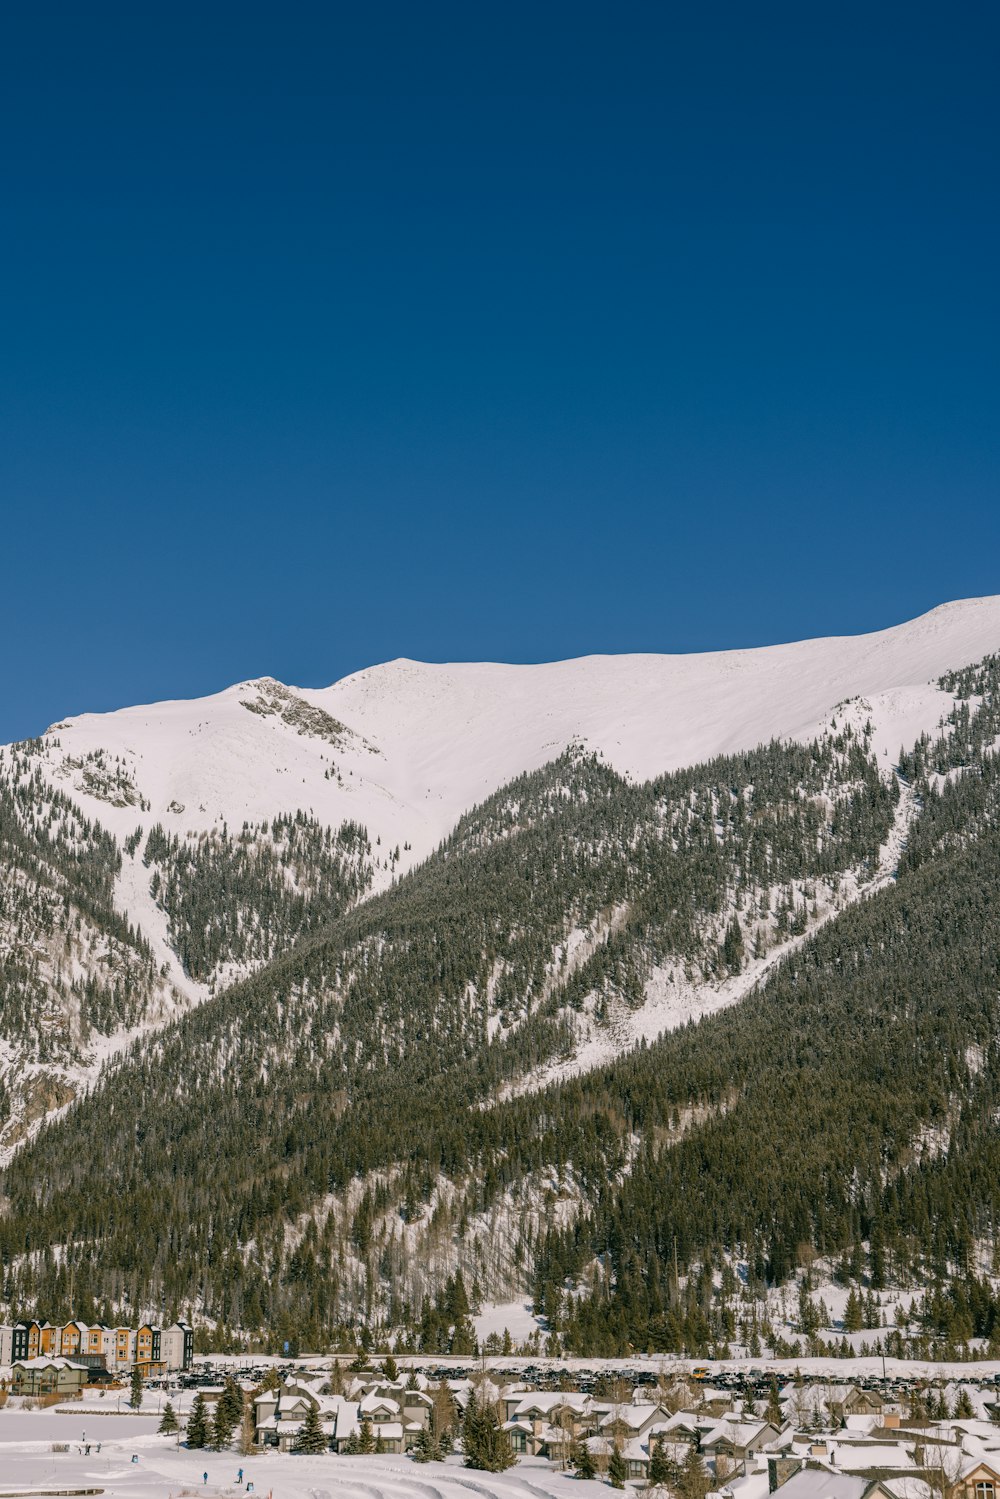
177 1345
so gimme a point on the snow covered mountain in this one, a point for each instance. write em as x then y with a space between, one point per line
407 747
391 945
242 821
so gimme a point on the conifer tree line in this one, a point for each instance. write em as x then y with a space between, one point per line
70 964
392 1000
244 898
371 1056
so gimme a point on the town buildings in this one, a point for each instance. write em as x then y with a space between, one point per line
812 1439
152 1349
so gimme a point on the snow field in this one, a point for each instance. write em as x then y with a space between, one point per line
167 1471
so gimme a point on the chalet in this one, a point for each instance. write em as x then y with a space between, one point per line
977 1480
547 1423
855 1402
600 1449
279 1414
826 1483
738 1439
42 1376
636 1460
624 1422
682 1426
417 1406
520 1436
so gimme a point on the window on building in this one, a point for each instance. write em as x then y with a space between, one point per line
984 1490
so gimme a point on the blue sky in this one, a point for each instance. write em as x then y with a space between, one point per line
334 333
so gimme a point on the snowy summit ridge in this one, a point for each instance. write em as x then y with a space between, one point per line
406 747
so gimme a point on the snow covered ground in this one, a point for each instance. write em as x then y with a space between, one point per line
515 1317
165 1470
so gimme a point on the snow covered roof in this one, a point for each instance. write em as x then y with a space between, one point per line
633 1416
634 1451
858 1457
822 1483
737 1432
756 1485
908 1488
544 1402
45 1361
372 1403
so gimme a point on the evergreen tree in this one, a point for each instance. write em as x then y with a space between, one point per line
964 1410
732 947
693 1483
228 1413
366 1437
660 1469
168 1421
471 1431
197 1423
583 1462
310 1438
135 1393
617 1471
484 1442
425 1449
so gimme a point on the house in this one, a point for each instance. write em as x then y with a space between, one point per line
825 1483
623 1422
600 1449
636 1460
521 1437
279 1414
42 1376
978 1479
417 1407
738 1439
546 1423
855 1402
682 1426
